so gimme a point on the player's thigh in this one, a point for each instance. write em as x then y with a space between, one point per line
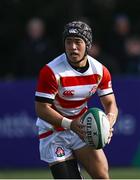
94 161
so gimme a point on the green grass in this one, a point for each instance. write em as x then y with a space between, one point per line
125 173
115 173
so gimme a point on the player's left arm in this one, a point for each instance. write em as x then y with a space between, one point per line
110 107
107 96
108 100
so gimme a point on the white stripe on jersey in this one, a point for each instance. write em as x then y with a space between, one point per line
79 92
45 95
70 111
104 92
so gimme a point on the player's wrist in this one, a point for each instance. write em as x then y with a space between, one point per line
66 123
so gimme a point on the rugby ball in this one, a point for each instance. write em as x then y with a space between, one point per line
97 128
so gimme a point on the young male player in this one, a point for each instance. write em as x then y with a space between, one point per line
63 89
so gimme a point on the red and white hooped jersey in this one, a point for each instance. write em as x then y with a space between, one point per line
70 89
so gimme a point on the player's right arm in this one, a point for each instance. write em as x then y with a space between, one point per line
45 112
47 87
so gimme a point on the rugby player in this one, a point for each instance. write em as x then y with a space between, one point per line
63 89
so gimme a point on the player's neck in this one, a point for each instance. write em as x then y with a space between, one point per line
79 64
81 69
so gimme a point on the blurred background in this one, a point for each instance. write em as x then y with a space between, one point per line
30 37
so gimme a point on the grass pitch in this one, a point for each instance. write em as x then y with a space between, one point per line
115 173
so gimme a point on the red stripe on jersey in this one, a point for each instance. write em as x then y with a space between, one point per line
69 104
47 82
78 80
105 82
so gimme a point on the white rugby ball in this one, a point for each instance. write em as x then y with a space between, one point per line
97 128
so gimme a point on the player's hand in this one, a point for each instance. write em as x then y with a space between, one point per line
110 135
78 128
112 119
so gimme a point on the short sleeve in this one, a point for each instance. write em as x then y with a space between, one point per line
105 85
47 85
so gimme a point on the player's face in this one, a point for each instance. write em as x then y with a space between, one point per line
75 49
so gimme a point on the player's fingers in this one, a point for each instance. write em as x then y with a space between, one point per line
82 135
82 126
109 139
110 135
81 132
111 132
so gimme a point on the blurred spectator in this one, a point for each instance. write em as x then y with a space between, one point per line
132 47
116 39
106 59
34 51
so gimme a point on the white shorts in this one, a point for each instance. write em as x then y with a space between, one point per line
58 146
